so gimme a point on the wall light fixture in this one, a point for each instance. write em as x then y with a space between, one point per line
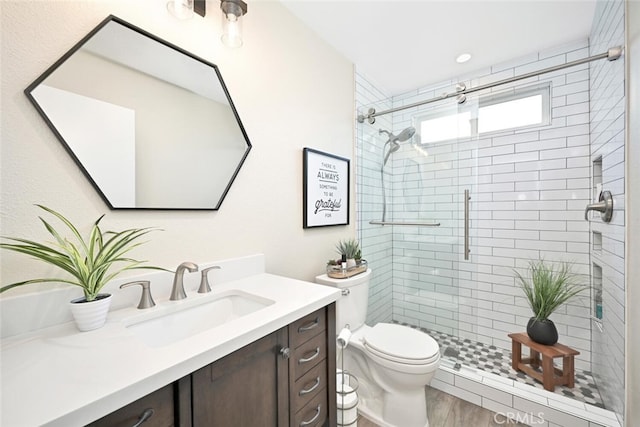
232 13
180 9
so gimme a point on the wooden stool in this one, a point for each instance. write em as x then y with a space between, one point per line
551 376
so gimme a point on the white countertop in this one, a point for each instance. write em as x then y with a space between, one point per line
61 377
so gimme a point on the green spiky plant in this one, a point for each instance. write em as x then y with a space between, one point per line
349 248
547 287
92 263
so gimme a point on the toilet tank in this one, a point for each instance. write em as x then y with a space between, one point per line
351 308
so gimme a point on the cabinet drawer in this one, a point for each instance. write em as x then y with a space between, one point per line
308 355
305 388
307 327
160 402
313 413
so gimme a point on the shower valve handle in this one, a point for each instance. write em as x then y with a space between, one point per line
604 206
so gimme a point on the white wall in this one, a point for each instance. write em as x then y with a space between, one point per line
291 90
632 190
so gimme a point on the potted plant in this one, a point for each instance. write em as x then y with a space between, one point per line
350 263
547 287
350 250
91 262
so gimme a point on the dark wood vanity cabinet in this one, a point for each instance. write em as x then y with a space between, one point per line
245 388
281 380
285 379
157 409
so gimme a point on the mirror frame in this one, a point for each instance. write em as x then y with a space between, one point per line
78 46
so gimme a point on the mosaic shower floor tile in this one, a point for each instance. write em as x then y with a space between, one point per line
498 361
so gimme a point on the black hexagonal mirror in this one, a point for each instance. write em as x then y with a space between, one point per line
151 125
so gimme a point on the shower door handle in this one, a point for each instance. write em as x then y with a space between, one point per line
466 224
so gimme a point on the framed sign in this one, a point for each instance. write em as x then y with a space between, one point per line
325 189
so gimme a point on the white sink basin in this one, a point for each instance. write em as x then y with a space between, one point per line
182 321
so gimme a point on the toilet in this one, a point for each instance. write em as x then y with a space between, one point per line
393 363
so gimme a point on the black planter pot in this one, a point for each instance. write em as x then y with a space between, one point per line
542 331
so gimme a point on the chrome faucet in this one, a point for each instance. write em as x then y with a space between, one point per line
178 293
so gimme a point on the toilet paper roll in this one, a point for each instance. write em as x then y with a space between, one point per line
343 338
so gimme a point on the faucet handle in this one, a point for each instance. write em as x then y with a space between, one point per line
146 300
604 205
204 282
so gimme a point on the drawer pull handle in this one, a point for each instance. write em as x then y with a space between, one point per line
309 326
310 358
148 413
310 389
312 420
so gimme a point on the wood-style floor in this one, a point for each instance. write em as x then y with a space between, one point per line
445 410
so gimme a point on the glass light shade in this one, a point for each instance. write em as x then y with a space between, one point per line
180 9
232 30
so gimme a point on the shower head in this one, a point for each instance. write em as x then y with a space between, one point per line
401 137
404 135
395 140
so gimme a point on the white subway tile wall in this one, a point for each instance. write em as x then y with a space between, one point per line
607 143
376 241
529 188
528 191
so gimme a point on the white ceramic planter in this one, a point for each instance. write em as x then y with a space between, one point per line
90 315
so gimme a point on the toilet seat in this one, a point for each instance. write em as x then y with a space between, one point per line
401 344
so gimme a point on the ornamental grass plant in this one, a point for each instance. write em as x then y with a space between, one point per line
547 286
92 262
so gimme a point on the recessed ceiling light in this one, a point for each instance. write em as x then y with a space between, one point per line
462 58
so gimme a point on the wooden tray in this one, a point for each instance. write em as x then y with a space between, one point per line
336 272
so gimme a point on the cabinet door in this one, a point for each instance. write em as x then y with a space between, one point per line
153 410
246 388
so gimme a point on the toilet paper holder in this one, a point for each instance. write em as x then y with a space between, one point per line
347 398
343 337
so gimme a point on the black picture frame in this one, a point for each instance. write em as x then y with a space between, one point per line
326 186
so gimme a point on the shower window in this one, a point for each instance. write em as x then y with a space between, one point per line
446 127
491 113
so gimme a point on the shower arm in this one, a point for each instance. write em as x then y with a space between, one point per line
611 55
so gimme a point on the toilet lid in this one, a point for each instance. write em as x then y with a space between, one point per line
401 343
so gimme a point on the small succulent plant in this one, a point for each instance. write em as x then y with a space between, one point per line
349 248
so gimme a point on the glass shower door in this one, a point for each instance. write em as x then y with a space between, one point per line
446 139
417 256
